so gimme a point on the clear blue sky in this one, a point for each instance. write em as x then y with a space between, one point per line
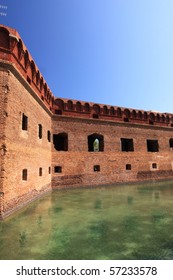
117 52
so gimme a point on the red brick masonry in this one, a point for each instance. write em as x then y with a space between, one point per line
48 143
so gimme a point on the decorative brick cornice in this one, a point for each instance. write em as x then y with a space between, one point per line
12 44
13 50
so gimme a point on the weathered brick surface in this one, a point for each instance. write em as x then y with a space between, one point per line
24 149
3 114
77 163
23 90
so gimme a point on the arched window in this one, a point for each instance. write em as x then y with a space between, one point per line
95 143
158 118
112 111
145 116
20 49
87 107
33 70
167 118
59 103
70 105
105 110
140 115
152 117
119 112
127 113
163 118
41 83
37 78
26 57
96 108
134 114
60 141
4 37
45 90
78 106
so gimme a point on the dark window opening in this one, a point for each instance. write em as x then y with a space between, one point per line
167 119
58 169
60 141
58 112
24 122
95 143
127 145
40 171
128 167
70 105
154 165
145 116
119 112
140 115
96 168
134 114
78 106
24 174
28 80
48 136
49 170
152 146
112 111
171 142
105 110
126 120
95 116
87 107
151 122
40 131
127 113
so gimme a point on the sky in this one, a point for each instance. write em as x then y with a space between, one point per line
115 52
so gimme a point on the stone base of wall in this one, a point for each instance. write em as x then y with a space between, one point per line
74 181
16 204
157 174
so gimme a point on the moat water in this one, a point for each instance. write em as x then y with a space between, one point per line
118 222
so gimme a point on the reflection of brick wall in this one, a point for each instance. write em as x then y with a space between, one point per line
23 91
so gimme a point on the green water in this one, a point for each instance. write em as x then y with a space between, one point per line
118 222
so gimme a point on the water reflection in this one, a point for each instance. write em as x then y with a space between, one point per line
118 222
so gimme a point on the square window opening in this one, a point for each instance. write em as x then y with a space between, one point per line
127 145
128 167
126 119
58 112
95 116
151 122
96 168
154 165
58 169
152 146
